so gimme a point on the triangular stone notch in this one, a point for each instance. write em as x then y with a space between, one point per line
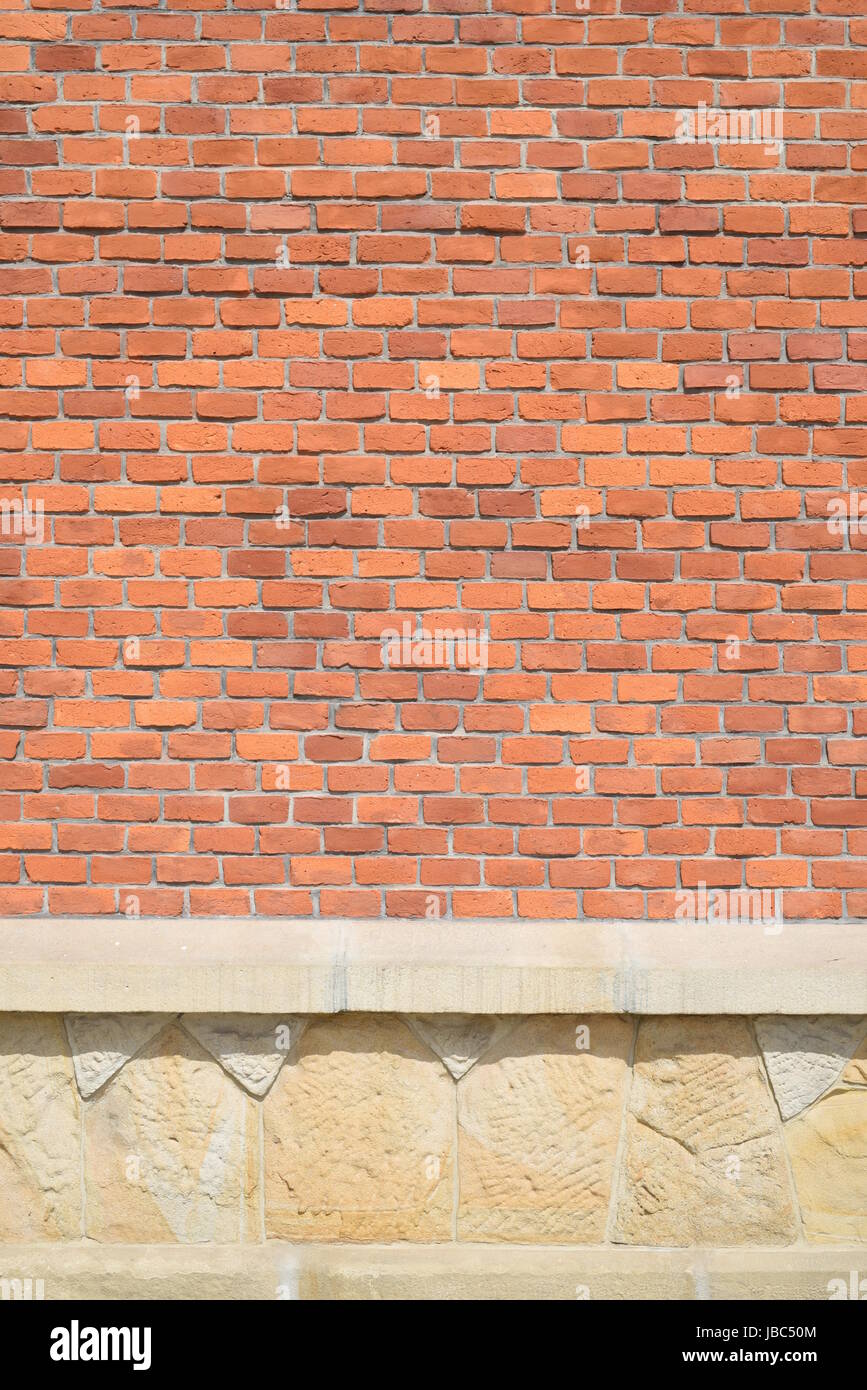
457 1039
805 1055
251 1047
101 1043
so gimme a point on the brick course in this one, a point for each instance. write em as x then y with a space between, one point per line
319 321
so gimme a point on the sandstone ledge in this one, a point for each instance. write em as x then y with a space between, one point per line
284 1271
473 967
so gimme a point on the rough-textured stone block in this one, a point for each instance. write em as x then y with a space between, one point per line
828 1148
359 1133
40 1134
171 1150
539 1121
805 1055
704 1161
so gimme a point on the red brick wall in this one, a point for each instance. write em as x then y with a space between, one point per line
324 318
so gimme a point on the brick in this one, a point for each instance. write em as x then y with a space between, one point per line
439 325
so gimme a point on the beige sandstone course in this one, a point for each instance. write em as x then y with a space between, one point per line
40 1134
539 1123
359 1136
171 1150
423 1131
704 1162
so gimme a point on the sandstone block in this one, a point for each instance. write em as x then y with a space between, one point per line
171 1150
539 1121
828 1149
704 1161
359 1136
40 1131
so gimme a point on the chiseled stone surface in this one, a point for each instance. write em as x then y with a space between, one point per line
40 1131
556 1142
704 1161
828 1148
171 1150
539 1121
805 1055
102 1043
252 1047
457 1039
359 1136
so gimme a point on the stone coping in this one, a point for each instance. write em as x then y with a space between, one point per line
329 966
278 1270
